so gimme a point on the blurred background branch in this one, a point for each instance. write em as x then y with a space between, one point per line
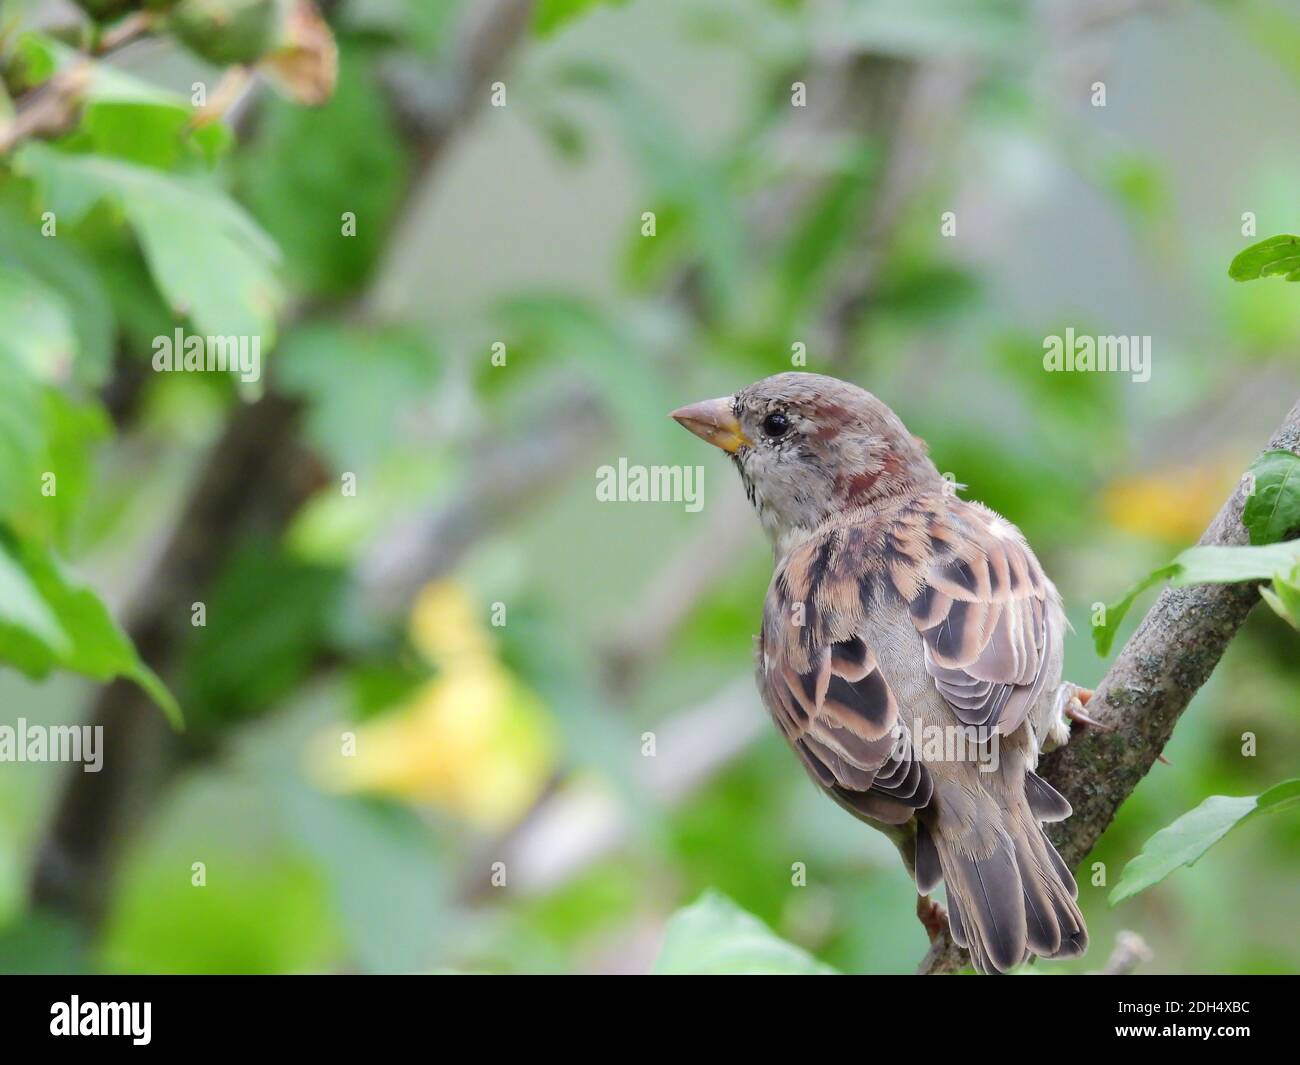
1130 952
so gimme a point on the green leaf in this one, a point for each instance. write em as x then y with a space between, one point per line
209 259
23 433
1283 597
1275 257
37 326
1272 512
1228 565
552 14
1103 635
63 268
35 59
1184 841
87 640
714 936
40 943
1279 796
1202 565
270 913
155 134
310 165
29 631
267 618
140 310
129 118
359 385
72 430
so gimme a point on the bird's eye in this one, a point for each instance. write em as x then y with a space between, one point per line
776 424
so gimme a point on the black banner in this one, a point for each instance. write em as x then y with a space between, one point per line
341 1013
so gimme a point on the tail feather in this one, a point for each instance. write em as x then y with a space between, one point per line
1043 928
991 900
1062 870
957 923
1045 801
1012 897
1074 932
929 872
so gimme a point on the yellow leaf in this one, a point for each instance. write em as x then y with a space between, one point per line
1174 505
473 741
447 626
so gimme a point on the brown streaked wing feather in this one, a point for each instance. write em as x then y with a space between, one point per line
825 689
983 614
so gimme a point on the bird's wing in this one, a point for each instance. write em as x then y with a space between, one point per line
823 686
974 592
989 617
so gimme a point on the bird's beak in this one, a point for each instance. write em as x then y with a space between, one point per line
713 421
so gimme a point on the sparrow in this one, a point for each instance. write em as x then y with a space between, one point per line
911 654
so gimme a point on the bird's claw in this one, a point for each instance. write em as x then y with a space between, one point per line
933 916
1071 700
1075 712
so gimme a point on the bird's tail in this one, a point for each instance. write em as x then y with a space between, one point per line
1010 894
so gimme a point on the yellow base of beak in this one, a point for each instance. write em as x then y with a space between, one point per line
713 421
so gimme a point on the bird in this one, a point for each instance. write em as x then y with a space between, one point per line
911 654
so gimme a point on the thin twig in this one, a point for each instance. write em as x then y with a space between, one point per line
580 821
505 476
1130 951
52 108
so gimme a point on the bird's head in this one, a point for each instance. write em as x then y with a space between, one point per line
809 446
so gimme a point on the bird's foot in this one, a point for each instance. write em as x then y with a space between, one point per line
1069 706
933 916
1075 712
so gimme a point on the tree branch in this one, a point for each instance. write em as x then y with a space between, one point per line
95 811
917 124
52 108
505 475
1143 694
